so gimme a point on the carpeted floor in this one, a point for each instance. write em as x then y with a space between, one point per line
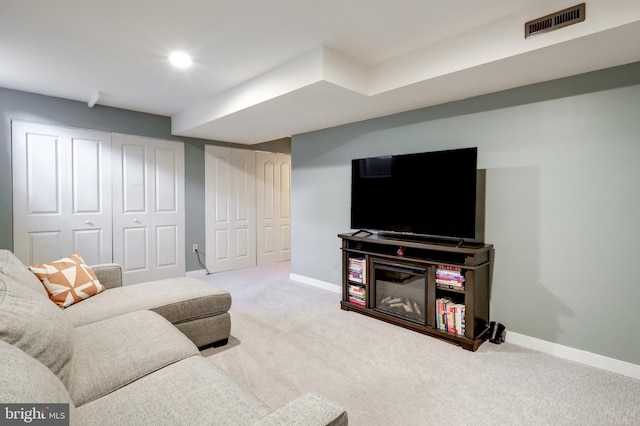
289 338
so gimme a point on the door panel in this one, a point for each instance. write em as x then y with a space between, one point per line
148 208
273 207
88 241
222 245
285 242
43 163
266 172
134 178
166 180
242 249
135 257
168 215
229 208
131 217
167 236
217 209
243 180
62 193
44 246
284 219
86 182
268 239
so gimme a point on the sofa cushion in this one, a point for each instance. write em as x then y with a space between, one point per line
177 299
24 380
308 409
12 267
112 353
68 280
30 321
193 391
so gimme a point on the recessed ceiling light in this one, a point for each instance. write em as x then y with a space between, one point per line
180 59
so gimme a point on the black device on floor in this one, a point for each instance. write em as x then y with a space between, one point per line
496 332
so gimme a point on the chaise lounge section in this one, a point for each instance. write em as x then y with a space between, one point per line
197 309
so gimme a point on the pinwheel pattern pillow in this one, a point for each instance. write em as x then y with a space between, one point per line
68 280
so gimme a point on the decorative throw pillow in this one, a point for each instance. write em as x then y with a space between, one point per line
68 280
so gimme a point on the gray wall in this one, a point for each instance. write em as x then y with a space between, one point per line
16 105
562 163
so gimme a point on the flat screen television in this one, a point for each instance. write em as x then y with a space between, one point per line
431 194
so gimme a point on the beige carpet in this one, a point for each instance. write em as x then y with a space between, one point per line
289 338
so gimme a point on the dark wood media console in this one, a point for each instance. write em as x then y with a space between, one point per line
434 288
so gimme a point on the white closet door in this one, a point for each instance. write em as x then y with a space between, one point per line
273 173
229 208
148 206
61 193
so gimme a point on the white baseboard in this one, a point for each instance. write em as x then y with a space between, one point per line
196 274
594 360
316 283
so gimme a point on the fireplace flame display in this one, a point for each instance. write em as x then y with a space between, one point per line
401 291
402 306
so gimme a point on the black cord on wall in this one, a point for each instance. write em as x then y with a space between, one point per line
200 261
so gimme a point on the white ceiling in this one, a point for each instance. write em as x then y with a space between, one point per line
264 70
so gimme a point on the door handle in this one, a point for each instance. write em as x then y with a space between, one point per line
88 222
136 221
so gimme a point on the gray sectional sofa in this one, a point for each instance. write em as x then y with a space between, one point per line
129 355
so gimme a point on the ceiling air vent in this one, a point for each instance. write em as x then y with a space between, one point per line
557 20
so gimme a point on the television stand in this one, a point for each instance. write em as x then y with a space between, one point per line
435 289
362 231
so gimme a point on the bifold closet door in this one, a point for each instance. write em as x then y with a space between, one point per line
273 182
230 208
148 208
61 193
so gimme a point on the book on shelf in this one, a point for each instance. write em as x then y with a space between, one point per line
450 316
449 272
451 268
356 277
357 294
356 262
357 270
357 291
357 301
449 285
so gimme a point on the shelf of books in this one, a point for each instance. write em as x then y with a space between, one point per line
450 316
449 278
357 270
357 295
449 309
357 281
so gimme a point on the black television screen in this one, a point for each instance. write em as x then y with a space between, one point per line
429 194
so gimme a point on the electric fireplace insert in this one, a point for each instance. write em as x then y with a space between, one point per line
401 291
